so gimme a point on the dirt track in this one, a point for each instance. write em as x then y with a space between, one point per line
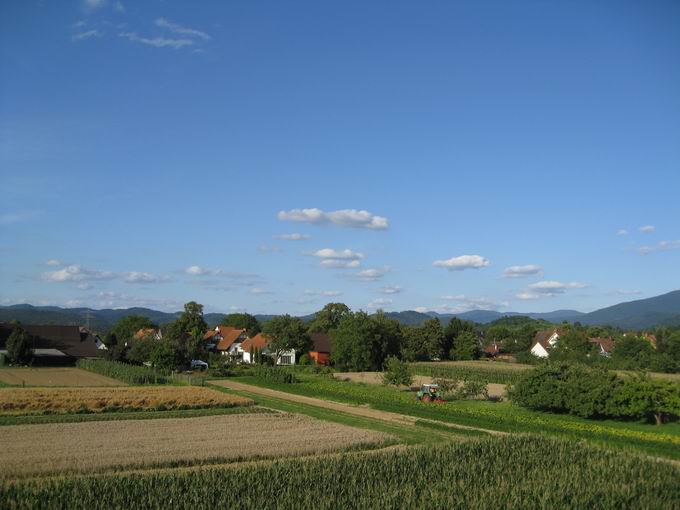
366 412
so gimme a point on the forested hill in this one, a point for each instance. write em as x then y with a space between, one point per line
663 310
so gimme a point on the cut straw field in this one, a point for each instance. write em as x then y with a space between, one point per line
24 401
101 446
62 376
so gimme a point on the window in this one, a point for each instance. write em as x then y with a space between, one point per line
286 360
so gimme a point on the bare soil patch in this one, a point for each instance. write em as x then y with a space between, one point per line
62 376
23 401
101 446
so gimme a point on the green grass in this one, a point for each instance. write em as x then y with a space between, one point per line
511 472
139 415
661 441
496 373
419 434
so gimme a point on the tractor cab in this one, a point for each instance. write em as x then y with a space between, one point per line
429 393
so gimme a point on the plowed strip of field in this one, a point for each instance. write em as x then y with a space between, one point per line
99 446
64 376
366 412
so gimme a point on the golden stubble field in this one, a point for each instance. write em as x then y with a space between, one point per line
126 444
62 376
23 401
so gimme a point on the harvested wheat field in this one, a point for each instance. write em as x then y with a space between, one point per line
100 446
22 401
64 376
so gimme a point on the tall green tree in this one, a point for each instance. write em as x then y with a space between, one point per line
287 333
386 340
465 346
19 345
328 318
453 329
242 321
190 324
352 341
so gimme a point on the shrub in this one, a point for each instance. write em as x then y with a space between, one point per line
397 373
19 346
275 374
305 360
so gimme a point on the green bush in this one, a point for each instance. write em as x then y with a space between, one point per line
274 374
305 360
397 372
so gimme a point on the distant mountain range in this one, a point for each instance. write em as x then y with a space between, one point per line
661 310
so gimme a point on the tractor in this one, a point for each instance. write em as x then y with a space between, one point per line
429 393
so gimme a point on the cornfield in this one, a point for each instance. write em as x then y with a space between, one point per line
493 374
130 374
513 472
24 401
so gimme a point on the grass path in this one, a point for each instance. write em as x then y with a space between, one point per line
365 412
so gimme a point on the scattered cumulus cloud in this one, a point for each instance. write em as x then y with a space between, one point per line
379 303
352 218
548 288
521 271
293 237
323 293
338 259
647 229
462 263
660 246
143 277
157 42
77 273
371 275
626 292
119 7
81 36
390 289
265 248
257 291
622 232
53 262
94 4
178 29
339 264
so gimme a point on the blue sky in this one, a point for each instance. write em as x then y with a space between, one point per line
274 156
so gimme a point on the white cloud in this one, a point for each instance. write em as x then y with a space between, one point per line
330 253
626 292
258 291
548 288
76 273
464 304
81 36
178 29
345 218
264 248
463 262
521 271
661 246
390 289
293 237
324 293
379 303
142 277
647 229
157 42
119 7
94 4
17 217
370 275
622 232
53 262
203 271
339 264
84 286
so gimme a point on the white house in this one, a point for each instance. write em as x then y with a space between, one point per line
543 342
225 340
260 343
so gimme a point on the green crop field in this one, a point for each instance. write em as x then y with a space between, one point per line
497 373
662 441
513 472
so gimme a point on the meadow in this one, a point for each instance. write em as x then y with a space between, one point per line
520 472
29 401
661 441
100 446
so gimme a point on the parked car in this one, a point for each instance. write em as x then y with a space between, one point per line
197 364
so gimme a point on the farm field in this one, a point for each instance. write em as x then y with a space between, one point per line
511 472
62 376
27 401
495 390
504 416
125 444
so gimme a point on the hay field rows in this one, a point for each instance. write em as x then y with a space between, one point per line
23 401
101 446
62 376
